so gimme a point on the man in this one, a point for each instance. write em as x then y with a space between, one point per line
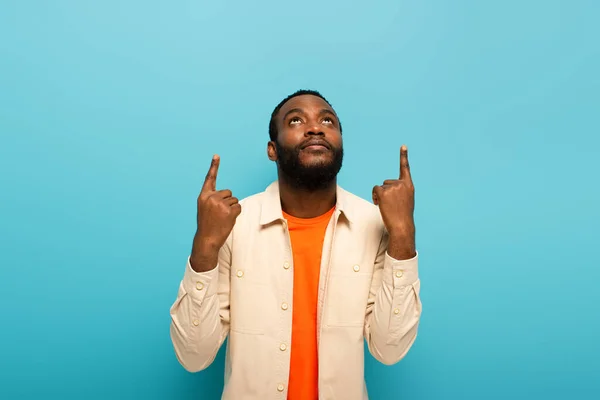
298 276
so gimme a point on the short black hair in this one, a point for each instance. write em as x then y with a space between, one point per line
273 122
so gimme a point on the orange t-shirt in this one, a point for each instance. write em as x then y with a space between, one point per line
307 235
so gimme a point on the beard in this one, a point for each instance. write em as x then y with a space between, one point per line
308 177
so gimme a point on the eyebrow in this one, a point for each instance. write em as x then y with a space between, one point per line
327 111
293 110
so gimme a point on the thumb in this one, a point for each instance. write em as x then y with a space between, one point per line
376 194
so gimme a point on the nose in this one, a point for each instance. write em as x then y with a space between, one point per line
314 130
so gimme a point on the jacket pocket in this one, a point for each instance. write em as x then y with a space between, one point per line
248 307
346 299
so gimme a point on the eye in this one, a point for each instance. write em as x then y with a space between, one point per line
295 120
328 120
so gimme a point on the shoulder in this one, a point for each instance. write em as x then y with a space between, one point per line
253 199
252 204
260 205
360 210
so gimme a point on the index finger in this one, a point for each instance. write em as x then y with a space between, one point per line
404 166
210 181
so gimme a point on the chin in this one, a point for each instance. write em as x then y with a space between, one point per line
315 163
316 158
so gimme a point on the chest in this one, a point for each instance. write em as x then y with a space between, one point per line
263 264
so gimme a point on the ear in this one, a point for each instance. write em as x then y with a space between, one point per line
271 151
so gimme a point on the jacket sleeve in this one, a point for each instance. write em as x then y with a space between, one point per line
200 313
393 308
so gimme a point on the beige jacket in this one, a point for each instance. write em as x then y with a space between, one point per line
364 294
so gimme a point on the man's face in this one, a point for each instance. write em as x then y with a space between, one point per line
309 146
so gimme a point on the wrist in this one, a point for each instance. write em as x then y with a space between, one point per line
201 263
404 233
204 256
402 245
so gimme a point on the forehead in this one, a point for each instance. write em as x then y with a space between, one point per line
306 102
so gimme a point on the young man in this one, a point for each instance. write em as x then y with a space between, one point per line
301 274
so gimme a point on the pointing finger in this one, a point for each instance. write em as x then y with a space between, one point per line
404 166
210 182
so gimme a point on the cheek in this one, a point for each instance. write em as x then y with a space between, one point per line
290 137
335 139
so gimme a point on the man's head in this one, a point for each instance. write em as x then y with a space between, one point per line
306 140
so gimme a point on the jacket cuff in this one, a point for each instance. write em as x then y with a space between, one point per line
200 284
401 272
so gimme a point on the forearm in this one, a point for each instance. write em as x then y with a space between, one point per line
391 326
197 331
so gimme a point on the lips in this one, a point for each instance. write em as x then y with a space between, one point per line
315 147
316 144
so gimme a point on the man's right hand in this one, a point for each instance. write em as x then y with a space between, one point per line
217 212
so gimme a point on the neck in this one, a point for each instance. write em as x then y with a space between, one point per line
303 203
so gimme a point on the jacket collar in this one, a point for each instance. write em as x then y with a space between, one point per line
271 204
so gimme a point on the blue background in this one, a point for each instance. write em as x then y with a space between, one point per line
110 112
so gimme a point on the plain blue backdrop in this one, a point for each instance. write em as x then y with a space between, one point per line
110 112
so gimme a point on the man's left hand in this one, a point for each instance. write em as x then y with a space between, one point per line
396 201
